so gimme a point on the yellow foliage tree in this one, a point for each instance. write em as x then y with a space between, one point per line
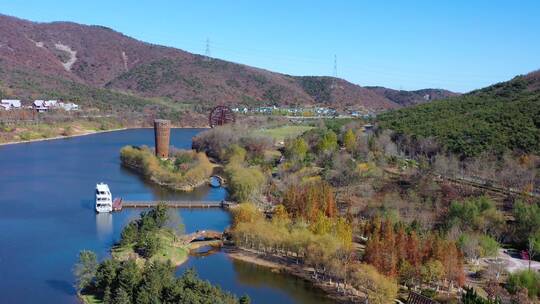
246 213
378 288
349 141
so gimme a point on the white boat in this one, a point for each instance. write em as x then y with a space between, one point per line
103 198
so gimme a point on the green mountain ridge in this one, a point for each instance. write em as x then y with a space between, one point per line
499 118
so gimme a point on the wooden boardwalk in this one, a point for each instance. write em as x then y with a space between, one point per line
178 204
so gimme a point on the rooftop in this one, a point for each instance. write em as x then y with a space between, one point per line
102 187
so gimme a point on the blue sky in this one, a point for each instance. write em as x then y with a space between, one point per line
457 45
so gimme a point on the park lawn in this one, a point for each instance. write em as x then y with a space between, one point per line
281 133
170 249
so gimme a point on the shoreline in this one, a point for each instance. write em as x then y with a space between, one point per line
85 134
279 264
61 137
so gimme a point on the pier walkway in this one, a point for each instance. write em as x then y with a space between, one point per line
174 204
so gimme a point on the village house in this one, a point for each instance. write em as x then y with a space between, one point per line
51 103
46 105
243 110
39 106
68 106
9 104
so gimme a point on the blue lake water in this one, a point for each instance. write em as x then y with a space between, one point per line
47 217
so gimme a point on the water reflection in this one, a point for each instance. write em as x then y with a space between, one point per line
204 251
257 276
261 284
104 225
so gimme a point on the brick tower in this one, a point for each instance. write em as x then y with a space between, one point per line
162 134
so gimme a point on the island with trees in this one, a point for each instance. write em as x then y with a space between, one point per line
184 170
142 266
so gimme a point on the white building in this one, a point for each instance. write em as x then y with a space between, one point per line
46 105
51 103
39 105
69 106
8 104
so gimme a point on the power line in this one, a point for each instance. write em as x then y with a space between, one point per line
387 72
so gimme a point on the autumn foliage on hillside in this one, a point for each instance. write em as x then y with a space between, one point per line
307 200
412 258
108 63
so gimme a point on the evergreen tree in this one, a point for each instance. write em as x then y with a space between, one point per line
129 278
106 274
85 269
122 297
244 300
107 296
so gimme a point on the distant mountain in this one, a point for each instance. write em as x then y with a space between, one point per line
98 65
499 118
409 98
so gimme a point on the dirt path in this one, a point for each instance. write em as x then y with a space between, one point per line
514 263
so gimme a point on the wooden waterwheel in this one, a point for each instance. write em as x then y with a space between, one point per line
221 115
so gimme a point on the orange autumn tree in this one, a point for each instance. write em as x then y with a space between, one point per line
413 259
308 200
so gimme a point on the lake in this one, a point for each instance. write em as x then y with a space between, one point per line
47 200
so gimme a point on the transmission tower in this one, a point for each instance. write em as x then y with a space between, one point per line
334 84
207 50
335 66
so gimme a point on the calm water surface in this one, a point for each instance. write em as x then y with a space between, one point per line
47 217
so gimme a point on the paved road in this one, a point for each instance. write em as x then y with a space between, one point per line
512 262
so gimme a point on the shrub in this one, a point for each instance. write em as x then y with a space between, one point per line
476 214
244 183
528 279
328 142
296 149
527 222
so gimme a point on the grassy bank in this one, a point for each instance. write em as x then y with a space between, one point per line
90 299
42 131
184 170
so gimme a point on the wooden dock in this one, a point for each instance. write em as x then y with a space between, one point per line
178 204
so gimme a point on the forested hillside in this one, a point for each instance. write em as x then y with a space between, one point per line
502 117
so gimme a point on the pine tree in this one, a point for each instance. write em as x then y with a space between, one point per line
85 269
122 297
107 299
244 299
